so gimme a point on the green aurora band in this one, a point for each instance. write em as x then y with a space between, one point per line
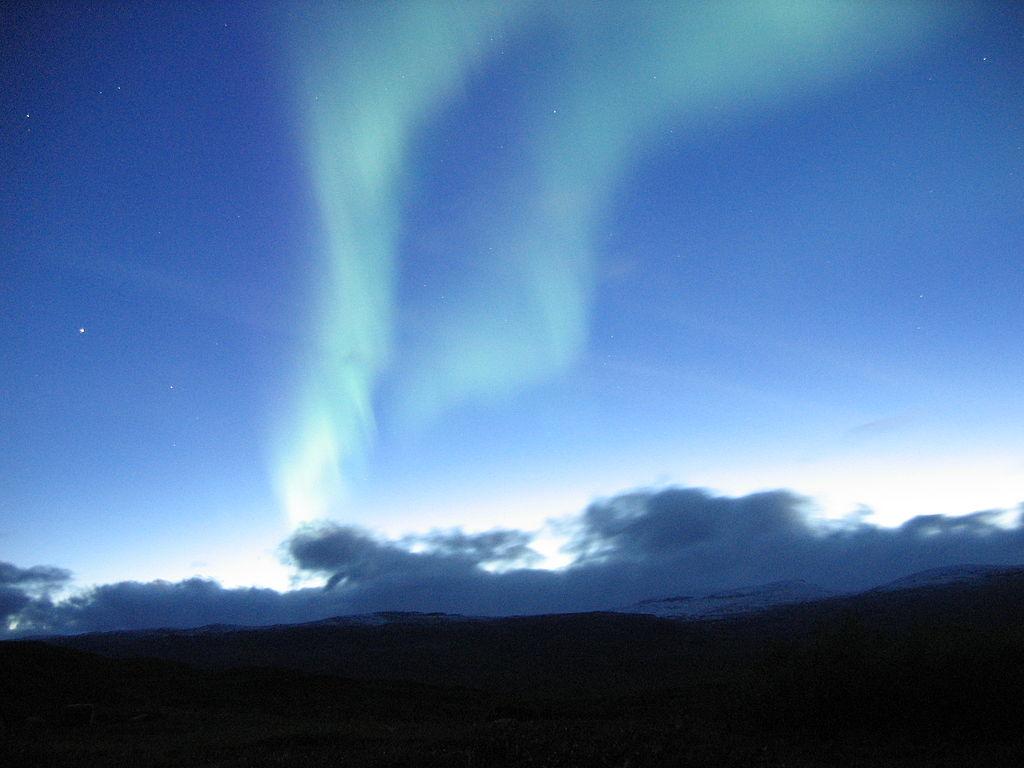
373 75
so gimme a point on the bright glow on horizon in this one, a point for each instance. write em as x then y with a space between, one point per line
891 490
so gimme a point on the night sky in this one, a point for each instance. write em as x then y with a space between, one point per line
502 307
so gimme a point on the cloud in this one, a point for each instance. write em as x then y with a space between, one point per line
693 540
346 552
36 577
629 547
349 555
20 586
501 547
189 603
652 527
11 601
448 575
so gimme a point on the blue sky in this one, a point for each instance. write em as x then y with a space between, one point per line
422 266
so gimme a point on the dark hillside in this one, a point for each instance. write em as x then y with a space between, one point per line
924 676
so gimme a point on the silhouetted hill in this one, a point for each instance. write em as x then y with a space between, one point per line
929 674
567 651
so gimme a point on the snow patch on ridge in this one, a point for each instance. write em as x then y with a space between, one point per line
955 574
731 602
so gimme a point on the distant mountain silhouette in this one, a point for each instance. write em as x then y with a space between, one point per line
635 647
924 673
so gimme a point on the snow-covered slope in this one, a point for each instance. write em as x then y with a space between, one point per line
381 618
954 574
731 602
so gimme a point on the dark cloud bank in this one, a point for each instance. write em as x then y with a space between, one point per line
634 546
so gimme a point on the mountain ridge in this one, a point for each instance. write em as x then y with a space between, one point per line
712 606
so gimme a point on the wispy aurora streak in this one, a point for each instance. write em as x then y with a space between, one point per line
376 74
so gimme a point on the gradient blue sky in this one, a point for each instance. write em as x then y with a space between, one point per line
412 266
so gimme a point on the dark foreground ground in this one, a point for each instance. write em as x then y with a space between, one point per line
928 677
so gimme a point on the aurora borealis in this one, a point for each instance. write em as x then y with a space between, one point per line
619 76
433 277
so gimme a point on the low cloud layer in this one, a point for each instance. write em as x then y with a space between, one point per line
627 548
21 587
